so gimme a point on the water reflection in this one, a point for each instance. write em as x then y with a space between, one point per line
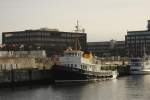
138 87
125 88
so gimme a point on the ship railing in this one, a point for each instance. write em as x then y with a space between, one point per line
101 73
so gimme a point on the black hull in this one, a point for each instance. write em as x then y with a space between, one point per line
62 73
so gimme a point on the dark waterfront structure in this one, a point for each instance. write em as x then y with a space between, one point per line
51 40
107 48
137 42
22 77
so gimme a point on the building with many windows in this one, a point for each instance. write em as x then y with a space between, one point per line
138 42
53 41
107 48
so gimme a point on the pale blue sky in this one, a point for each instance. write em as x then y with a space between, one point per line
102 19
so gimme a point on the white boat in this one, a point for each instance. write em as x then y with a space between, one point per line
140 65
77 65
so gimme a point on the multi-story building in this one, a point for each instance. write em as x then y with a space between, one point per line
107 48
53 41
138 42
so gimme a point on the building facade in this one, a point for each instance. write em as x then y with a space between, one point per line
53 41
138 42
107 48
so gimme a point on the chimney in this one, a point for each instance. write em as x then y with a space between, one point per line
148 26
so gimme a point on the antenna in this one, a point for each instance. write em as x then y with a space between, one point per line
78 29
77 45
77 26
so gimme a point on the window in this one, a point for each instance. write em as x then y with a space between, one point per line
75 65
8 35
133 37
63 35
71 65
128 38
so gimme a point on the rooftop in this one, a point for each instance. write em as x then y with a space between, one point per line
41 30
141 32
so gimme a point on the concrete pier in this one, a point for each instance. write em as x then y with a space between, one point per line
25 76
24 67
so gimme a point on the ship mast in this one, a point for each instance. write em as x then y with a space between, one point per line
144 51
77 45
78 29
77 26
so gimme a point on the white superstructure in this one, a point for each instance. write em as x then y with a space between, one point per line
140 65
80 60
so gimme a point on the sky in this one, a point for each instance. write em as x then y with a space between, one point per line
102 20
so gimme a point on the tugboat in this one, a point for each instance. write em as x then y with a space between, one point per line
77 65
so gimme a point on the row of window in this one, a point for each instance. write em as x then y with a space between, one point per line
24 34
85 67
138 46
138 37
8 66
73 54
39 39
75 65
71 65
139 41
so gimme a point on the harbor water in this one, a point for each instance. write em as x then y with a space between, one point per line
125 88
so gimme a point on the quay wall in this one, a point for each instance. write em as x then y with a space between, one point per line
24 76
25 70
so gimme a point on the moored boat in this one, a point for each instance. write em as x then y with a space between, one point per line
140 66
77 65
